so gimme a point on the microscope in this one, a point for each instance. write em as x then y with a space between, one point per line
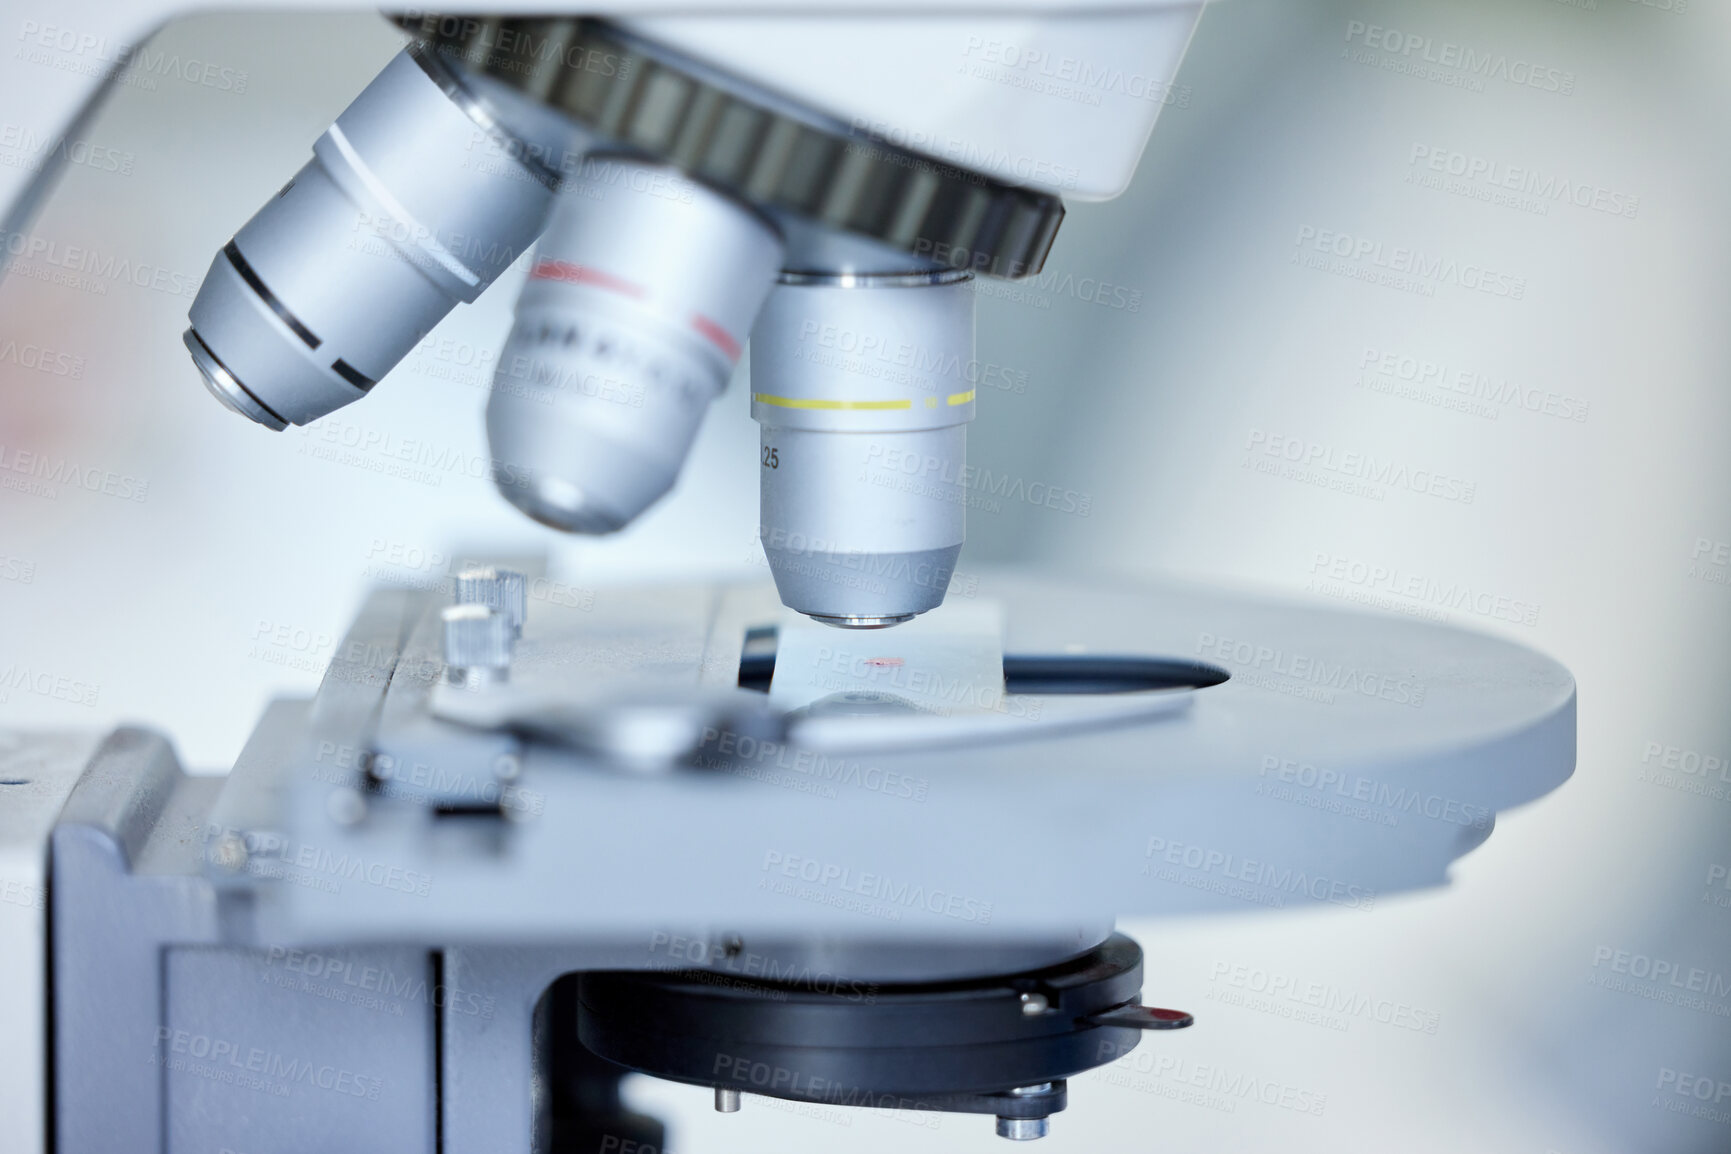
834 841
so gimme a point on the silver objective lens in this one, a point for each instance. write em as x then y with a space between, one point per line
639 300
415 199
863 387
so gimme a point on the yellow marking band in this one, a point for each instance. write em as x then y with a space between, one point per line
804 403
801 403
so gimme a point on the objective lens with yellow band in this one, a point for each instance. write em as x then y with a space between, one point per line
862 386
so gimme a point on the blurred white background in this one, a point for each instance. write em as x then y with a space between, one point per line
1583 399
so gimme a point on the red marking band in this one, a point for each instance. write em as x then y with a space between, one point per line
560 270
716 335
569 273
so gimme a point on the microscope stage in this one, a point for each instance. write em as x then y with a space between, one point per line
1278 754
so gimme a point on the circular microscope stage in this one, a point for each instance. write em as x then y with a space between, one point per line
1252 754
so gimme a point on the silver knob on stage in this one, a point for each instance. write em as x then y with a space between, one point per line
503 589
477 645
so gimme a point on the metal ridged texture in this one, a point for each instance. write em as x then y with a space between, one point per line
850 182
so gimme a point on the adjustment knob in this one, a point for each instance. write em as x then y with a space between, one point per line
477 644
503 589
